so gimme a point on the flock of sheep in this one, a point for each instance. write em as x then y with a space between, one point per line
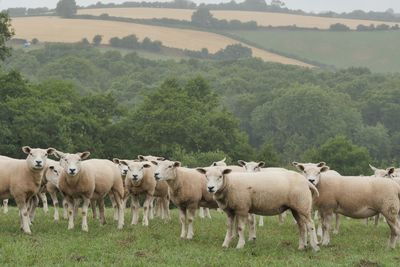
242 192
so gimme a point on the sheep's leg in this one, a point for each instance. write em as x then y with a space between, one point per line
151 209
135 209
282 218
377 219
230 224
201 212
94 210
337 224
70 207
54 199
159 207
167 215
311 231
101 211
77 202
146 209
24 214
114 206
191 214
261 221
394 225
235 222
43 198
241 225
182 219
34 202
65 209
208 214
252 227
302 229
326 226
5 206
119 200
85 206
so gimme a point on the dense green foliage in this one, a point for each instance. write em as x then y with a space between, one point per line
166 108
5 34
66 8
51 244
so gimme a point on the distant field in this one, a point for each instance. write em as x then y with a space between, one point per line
378 51
53 29
262 18
51 244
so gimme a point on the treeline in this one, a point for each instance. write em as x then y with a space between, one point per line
245 109
22 11
361 28
132 42
230 52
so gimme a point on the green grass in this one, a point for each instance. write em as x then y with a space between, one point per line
159 245
377 50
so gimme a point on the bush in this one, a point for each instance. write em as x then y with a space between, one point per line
339 27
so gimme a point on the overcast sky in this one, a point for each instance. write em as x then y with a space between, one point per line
307 5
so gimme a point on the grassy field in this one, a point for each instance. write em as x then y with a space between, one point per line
48 29
159 244
262 18
376 50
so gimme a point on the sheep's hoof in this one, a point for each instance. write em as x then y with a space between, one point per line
85 228
28 232
225 246
316 249
120 227
335 232
252 239
301 248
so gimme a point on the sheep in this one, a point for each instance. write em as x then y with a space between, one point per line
5 201
21 180
124 171
263 193
353 197
90 180
219 163
140 180
187 191
257 167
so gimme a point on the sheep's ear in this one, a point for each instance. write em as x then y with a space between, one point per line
116 161
177 164
84 155
242 163
146 165
201 170
223 159
59 154
390 170
160 158
299 166
51 151
325 169
26 149
321 164
226 171
140 157
155 163
372 167
214 164
123 162
261 164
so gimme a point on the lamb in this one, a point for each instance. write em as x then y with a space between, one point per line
262 193
140 180
21 180
257 167
52 176
90 180
354 197
188 192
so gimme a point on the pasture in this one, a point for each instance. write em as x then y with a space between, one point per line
159 244
48 29
341 49
262 18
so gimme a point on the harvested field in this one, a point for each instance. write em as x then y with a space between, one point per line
262 18
53 29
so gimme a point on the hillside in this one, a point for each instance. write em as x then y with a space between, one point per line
377 50
48 29
262 18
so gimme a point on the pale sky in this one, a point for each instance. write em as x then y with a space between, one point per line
307 5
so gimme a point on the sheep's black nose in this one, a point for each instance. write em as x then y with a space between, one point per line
72 170
312 181
38 162
211 188
125 171
135 177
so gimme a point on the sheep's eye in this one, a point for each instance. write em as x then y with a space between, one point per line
170 167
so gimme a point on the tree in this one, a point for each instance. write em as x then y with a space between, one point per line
5 34
35 41
66 8
97 39
202 17
341 155
233 52
339 27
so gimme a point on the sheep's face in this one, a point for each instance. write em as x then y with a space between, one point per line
381 173
37 157
71 163
122 167
215 177
312 171
53 173
251 166
165 170
136 170
150 158
219 163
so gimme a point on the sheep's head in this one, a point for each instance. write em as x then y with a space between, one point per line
53 173
165 170
381 173
71 163
215 177
135 169
37 157
122 167
251 166
219 163
150 158
312 171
